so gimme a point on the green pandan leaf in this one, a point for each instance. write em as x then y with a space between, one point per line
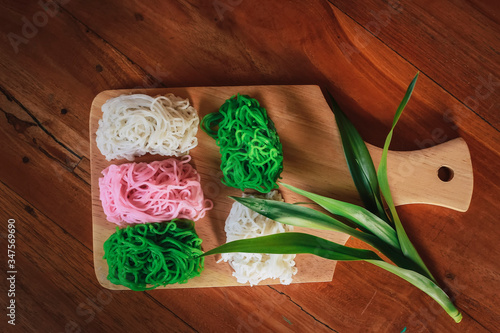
359 161
309 218
425 284
358 215
295 242
406 246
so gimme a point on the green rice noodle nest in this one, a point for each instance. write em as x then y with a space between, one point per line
146 256
251 151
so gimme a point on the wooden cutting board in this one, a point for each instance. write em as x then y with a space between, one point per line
313 160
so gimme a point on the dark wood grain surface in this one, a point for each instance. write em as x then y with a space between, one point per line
53 63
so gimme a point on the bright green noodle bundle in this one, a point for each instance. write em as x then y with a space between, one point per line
146 256
251 151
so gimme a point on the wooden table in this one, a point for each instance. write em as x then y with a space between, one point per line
53 63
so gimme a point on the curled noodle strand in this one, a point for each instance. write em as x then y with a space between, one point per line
152 192
251 152
146 256
133 125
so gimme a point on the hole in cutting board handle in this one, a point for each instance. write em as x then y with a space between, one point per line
445 174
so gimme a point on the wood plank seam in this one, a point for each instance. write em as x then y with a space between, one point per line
77 176
471 317
14 121
409 62
302 309
46 153
37 122
76 166
148 294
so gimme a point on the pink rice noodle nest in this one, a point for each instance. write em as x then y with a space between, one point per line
152 192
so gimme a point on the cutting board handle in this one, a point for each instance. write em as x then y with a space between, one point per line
440 175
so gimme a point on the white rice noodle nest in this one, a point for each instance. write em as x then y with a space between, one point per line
133 125
253 268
